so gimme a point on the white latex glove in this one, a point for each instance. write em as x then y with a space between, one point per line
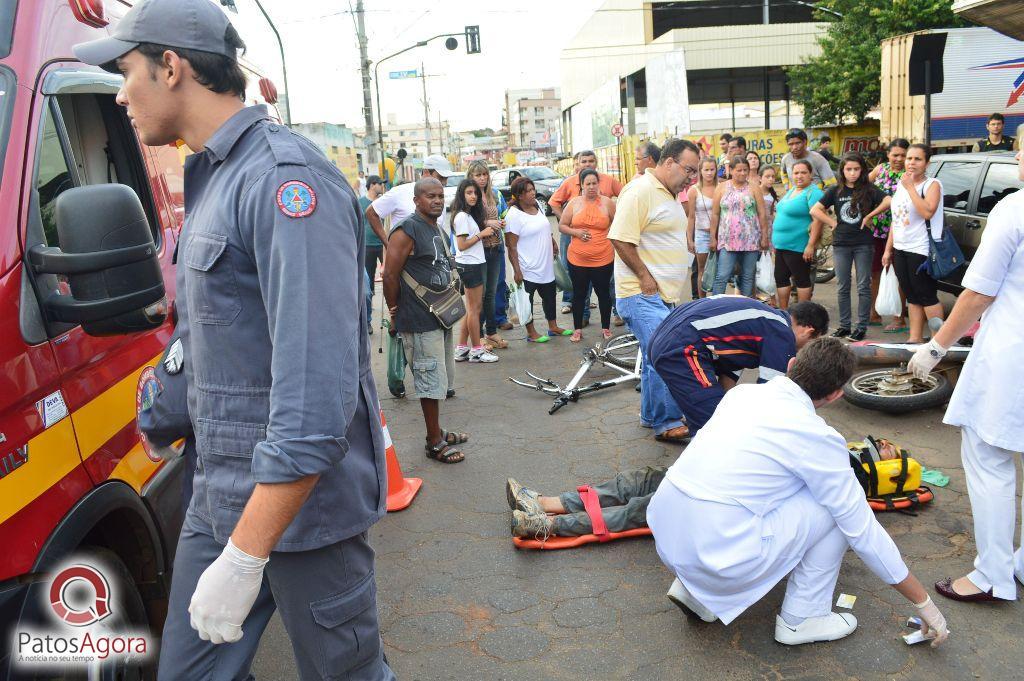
932 622
925 359
225 594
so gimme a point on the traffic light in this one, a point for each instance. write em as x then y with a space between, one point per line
472 40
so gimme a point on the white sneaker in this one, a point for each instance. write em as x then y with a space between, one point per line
482 356
830 627
461 354
678 594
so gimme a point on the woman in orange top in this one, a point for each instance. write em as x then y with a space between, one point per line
586 219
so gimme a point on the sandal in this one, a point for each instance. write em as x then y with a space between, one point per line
445 453
454 438
577 336
606 334
497 342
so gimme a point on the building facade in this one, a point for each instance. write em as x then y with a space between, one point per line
533 119
413 137
339 143
683 67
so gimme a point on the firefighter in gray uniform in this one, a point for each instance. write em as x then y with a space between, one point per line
290 472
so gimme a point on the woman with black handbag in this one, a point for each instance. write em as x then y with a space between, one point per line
916 211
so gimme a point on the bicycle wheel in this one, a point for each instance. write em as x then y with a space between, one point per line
621 350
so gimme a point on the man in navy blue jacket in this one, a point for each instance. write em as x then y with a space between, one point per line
702 347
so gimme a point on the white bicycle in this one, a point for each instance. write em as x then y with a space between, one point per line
620 353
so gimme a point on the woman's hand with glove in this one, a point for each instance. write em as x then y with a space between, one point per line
933 624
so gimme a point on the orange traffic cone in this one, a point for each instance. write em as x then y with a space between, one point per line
401 490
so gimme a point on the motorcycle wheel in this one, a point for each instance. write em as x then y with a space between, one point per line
824 269
894 393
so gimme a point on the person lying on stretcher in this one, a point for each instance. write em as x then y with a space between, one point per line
623 501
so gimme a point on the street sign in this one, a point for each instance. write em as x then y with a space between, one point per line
618 130
396 75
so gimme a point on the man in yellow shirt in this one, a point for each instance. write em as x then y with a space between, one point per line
651 266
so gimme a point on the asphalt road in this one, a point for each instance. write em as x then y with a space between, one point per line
458 601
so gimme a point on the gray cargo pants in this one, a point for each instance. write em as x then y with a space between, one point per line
327 598
623 500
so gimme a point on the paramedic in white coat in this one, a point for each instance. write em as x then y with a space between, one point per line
743 507
988 403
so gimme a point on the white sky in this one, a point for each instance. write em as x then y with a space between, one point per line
520 49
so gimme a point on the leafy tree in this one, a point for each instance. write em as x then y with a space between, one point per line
844 81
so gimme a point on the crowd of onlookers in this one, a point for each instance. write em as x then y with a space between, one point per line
738 221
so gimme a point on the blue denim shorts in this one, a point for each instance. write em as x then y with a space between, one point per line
702 240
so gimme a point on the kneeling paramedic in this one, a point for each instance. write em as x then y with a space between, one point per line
290 471
743 507
702 347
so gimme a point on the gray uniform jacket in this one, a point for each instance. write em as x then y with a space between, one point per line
270 286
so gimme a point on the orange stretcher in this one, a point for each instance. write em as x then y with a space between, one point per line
601 534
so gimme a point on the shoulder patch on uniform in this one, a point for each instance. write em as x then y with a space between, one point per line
296 199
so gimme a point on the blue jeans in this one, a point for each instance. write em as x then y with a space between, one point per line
643 314
501 295
727 261
495 258
846 257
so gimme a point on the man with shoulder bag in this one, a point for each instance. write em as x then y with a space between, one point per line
421 287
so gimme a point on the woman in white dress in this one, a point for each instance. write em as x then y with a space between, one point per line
988 403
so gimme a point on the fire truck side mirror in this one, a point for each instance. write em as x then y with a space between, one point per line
110 261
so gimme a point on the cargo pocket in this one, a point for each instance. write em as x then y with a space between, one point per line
425 377
212 289
226 448
347 632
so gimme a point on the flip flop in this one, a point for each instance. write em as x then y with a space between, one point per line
577 336
896 329
874 323
538 339
565 332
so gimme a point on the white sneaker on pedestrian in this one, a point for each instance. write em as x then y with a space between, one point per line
830 627
482 356
461 354
678 594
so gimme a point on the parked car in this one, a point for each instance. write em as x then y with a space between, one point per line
972 184
544 179
450 186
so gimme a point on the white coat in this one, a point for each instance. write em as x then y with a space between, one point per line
736 532
989 395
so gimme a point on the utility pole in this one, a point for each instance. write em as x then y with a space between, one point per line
375 152
426 106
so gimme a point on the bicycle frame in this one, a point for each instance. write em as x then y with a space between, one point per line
573 391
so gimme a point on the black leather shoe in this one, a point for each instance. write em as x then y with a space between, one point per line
841 332
858 335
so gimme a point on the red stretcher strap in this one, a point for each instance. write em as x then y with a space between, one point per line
592 506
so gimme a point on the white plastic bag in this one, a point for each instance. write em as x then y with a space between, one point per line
520 301
888 303
765 276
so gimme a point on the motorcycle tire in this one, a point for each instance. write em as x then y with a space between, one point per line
824 275
857 392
